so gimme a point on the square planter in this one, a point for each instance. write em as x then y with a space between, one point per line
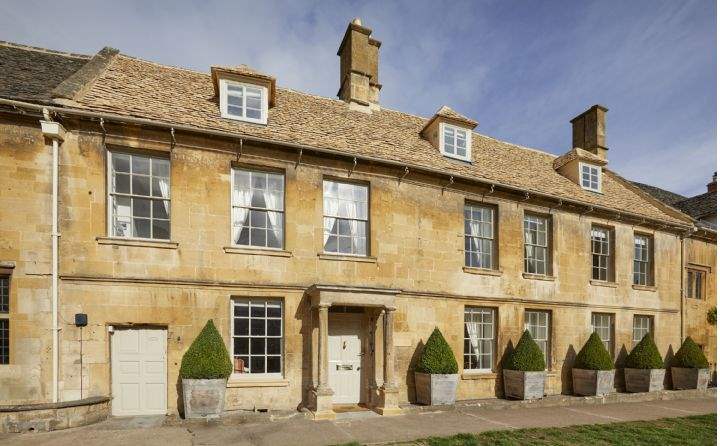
524 385
435 390
644 380
683 378
203 398
593 382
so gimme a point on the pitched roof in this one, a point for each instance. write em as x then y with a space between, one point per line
698 206
132 87
663 195
30 73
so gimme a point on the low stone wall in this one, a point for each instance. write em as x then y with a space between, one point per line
53 416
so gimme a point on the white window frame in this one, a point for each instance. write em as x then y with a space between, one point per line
592 171
482 312
546 317
544 248
642 266
111 194
642 327
224 101
456 129
365 220
482 236
232 209
604 253
605 321
231 349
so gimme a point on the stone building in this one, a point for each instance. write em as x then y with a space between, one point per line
326 238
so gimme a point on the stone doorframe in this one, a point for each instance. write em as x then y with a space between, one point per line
322 297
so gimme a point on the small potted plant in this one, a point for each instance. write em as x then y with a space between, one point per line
689 367
204 371
524 370
436 372
644 368
593 373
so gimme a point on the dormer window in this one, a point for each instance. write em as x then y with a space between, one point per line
590 177
243 101
455 142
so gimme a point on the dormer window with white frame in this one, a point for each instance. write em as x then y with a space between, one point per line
590 177
243 101
456 141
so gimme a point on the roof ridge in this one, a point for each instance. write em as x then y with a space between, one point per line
43 50
140 59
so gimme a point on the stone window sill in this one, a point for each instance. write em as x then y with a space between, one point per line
119 241
344 258
478 375
256 251
270 382
604 283
644 287
538 277
482 271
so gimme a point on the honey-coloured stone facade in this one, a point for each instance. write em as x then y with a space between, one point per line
415 247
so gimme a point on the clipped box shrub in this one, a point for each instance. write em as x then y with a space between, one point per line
645 355
207 357
526 357
690 356
593 355
437 357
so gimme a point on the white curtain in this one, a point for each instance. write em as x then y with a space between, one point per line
474 240
241 198
272 202
350 211
473 334
164 184
331 212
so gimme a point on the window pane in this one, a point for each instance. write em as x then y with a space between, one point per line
121 162
122 184
4 341
4 295
264 345
141 227
140 165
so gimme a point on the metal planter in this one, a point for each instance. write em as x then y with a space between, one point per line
644 380
683 378
435 389
524 385
593 382
204 398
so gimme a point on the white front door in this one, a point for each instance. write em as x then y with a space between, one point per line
345 356
139 371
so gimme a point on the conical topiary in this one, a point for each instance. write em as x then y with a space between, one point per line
207 357
593 355
437 356
645 355
527 356
690 356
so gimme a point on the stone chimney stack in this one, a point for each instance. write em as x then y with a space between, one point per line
589 131
712 186
359 66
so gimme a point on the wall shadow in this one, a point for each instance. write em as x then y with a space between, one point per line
304 314
619 383
669 355
566 382
499 385
180 404
410 372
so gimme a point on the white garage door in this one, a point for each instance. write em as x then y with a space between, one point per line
139 372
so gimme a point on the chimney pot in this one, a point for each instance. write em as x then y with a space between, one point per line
588 131
359 66
712 186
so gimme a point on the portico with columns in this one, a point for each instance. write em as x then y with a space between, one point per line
375 307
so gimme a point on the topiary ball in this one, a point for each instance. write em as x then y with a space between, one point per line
437 357
527 356
645 355
207 357
690 356
593 355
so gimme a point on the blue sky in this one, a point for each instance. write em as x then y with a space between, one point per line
522 69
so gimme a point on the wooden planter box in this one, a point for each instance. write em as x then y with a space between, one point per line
644 380
683 378
203 398
524 385
435 390
593 382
